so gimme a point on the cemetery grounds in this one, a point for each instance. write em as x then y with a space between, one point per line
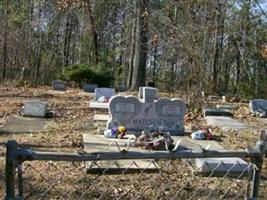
64 134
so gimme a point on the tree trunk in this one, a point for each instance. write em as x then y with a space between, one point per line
132 52
5 42
139 70
94 33
218 46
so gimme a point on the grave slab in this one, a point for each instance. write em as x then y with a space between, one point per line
59 85
34 108
18 124
234 167
94 104
214 98
205 166
99 143
226 123
216 112
136 115
227 106
101 117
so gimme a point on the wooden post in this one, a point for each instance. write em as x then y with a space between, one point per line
258 160
11 147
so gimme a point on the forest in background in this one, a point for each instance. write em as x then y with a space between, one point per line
187 45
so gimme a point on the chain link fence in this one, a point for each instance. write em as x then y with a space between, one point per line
132 175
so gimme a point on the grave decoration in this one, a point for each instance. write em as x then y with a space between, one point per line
258 107
136 115
59 85
115 132
155 140
202 134
34 108
104 94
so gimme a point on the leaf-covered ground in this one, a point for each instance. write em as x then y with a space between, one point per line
64 133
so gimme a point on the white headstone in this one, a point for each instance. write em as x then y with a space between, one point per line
107 93
141 92
34 108
59 85
258 106
136 115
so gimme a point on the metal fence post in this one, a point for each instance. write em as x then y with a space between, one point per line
11 148
258 160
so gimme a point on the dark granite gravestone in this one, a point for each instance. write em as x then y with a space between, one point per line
59 85
258 107
89 87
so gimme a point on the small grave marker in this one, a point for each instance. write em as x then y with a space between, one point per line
107 93
59 85
141 92
137 115
89 87
258 106
34 108
216 112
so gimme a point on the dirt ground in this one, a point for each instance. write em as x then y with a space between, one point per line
64 133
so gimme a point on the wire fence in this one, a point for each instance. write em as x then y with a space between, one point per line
179 174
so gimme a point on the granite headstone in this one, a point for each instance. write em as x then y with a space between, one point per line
34 108
141 92
258 106
107 93
59 85
89 87
137 115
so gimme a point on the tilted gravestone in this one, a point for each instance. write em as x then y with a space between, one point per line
34 108
107 93
89 87
258 106
137 115
59 85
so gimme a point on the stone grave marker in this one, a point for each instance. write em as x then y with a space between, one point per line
107 93
141 92
18 124
226 123
59 85
89 87
137 115
34 108
227 106
258 106
234 167
217 112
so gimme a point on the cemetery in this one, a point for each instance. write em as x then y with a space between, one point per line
142 99
68 122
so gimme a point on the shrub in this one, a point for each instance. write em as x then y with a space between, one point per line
84 73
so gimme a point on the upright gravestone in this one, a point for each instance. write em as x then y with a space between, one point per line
34 108
258 106
89 87
59 85
137 115
105 93
141 92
